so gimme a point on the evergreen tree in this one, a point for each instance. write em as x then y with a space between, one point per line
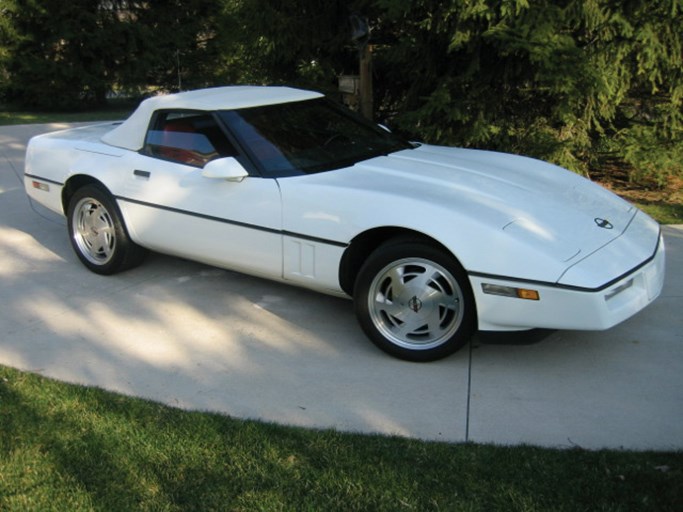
288 41
176 44
56 52
69 55
568 81
584 83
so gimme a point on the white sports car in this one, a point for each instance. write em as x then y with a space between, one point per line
431 242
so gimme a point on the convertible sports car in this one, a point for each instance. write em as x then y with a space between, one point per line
431 242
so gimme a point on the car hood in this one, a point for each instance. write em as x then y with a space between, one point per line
557 211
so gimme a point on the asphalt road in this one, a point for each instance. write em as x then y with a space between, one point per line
198 337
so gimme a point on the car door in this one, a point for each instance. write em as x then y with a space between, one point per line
171 207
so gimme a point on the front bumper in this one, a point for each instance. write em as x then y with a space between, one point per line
563 306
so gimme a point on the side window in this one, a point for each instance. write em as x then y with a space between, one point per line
189 138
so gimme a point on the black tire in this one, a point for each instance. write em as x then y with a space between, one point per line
414 301
98 234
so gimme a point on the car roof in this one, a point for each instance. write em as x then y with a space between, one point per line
131 133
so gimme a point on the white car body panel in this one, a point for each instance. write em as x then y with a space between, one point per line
509 220
313 264
548 236
156 210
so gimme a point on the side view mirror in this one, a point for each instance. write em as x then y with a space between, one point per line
225 169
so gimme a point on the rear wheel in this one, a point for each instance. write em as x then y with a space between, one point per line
98 234
414 301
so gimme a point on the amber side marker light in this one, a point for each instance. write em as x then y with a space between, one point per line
509 291
41 186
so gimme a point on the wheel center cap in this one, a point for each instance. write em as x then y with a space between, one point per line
415 304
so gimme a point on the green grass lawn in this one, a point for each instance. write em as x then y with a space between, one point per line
662 212
71 448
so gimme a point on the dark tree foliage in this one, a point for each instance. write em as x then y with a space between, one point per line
175 44
583 83
55 51
568 81
70 54
301 42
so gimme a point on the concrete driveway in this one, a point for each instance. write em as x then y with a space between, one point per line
202 338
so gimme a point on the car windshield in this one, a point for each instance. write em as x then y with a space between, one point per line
307 137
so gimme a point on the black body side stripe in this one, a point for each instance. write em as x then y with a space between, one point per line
568 286
234 222
33 176
314 239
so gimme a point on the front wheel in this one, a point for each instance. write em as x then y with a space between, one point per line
98 234
414 301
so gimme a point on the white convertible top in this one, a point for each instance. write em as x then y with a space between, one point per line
131 133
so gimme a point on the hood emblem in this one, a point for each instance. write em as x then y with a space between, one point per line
603 223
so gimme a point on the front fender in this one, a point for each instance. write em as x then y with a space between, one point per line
473 233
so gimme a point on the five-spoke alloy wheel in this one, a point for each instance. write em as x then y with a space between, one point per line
98 234
414 301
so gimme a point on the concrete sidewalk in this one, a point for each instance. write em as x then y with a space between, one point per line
202 338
